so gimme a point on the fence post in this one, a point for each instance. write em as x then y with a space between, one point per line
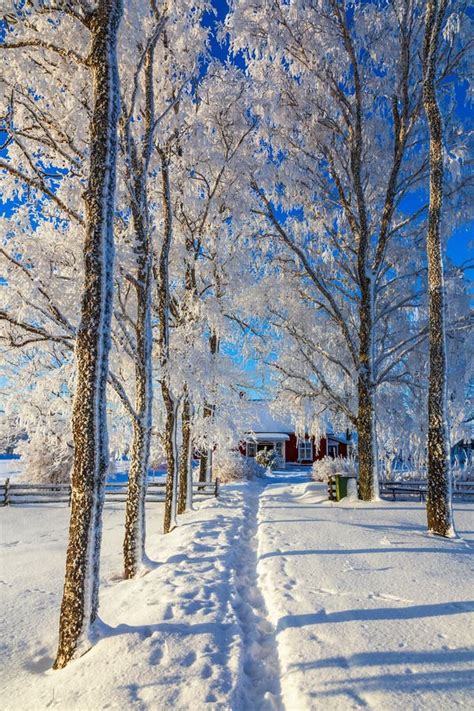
216 488
330 488
7 486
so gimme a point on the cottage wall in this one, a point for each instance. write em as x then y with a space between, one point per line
291 449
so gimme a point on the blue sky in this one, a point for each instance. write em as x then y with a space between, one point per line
460 246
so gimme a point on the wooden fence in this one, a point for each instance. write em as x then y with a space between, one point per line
461 489
18 493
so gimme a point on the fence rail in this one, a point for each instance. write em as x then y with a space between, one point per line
411 487
19 493
419 488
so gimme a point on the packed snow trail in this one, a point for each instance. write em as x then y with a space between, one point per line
369 610
171 639
261 672
268 598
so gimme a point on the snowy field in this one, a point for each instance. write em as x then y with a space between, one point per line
269 598
10 467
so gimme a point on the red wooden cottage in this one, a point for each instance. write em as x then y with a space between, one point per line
278 434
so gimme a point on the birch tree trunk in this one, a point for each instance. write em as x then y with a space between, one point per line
368 483
366 394
205 462
169 436
438 503
134 542
185 456
89 418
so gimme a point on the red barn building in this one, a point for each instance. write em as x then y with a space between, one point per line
269 432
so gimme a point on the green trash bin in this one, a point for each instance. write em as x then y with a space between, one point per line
341 487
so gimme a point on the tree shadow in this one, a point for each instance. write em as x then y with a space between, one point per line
365 551
379 613
406 682
444 657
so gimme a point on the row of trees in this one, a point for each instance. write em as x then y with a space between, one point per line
122 162
193 206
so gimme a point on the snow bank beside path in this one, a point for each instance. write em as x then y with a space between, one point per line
369 611
187 635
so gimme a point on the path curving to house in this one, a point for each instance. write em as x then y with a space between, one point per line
269 598
260 681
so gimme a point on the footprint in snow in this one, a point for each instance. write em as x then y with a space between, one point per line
188 660
206 672
168 614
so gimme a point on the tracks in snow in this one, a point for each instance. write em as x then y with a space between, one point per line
260 685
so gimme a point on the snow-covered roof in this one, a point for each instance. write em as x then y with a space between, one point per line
262 420
338 437
264 423
269 436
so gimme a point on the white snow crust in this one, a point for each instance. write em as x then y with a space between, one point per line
268 598
369 610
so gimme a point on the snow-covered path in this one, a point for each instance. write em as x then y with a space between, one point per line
267 599
369 611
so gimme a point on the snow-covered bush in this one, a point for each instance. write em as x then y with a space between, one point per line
46 459
328 466
232 466
266 458
465 473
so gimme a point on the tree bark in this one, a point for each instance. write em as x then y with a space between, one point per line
184 459
171 454
169 436
202 467
205 462
137 181
89 418
368 483
438 503
134 542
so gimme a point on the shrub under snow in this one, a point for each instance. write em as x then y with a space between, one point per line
328 466
47 460
266 458
232 466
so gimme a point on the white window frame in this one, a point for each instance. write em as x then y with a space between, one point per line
305 446
248 446
336 447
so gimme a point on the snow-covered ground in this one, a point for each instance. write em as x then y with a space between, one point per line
369 610
10 467
268 598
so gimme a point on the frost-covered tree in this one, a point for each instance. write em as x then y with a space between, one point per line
336 191
89 417
138 126
42 31
200 165
438 504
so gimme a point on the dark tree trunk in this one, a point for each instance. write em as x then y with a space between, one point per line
89 418
184 460
169 442
137 180
368 489
205 462
169 436
203 467
134 542
438 504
